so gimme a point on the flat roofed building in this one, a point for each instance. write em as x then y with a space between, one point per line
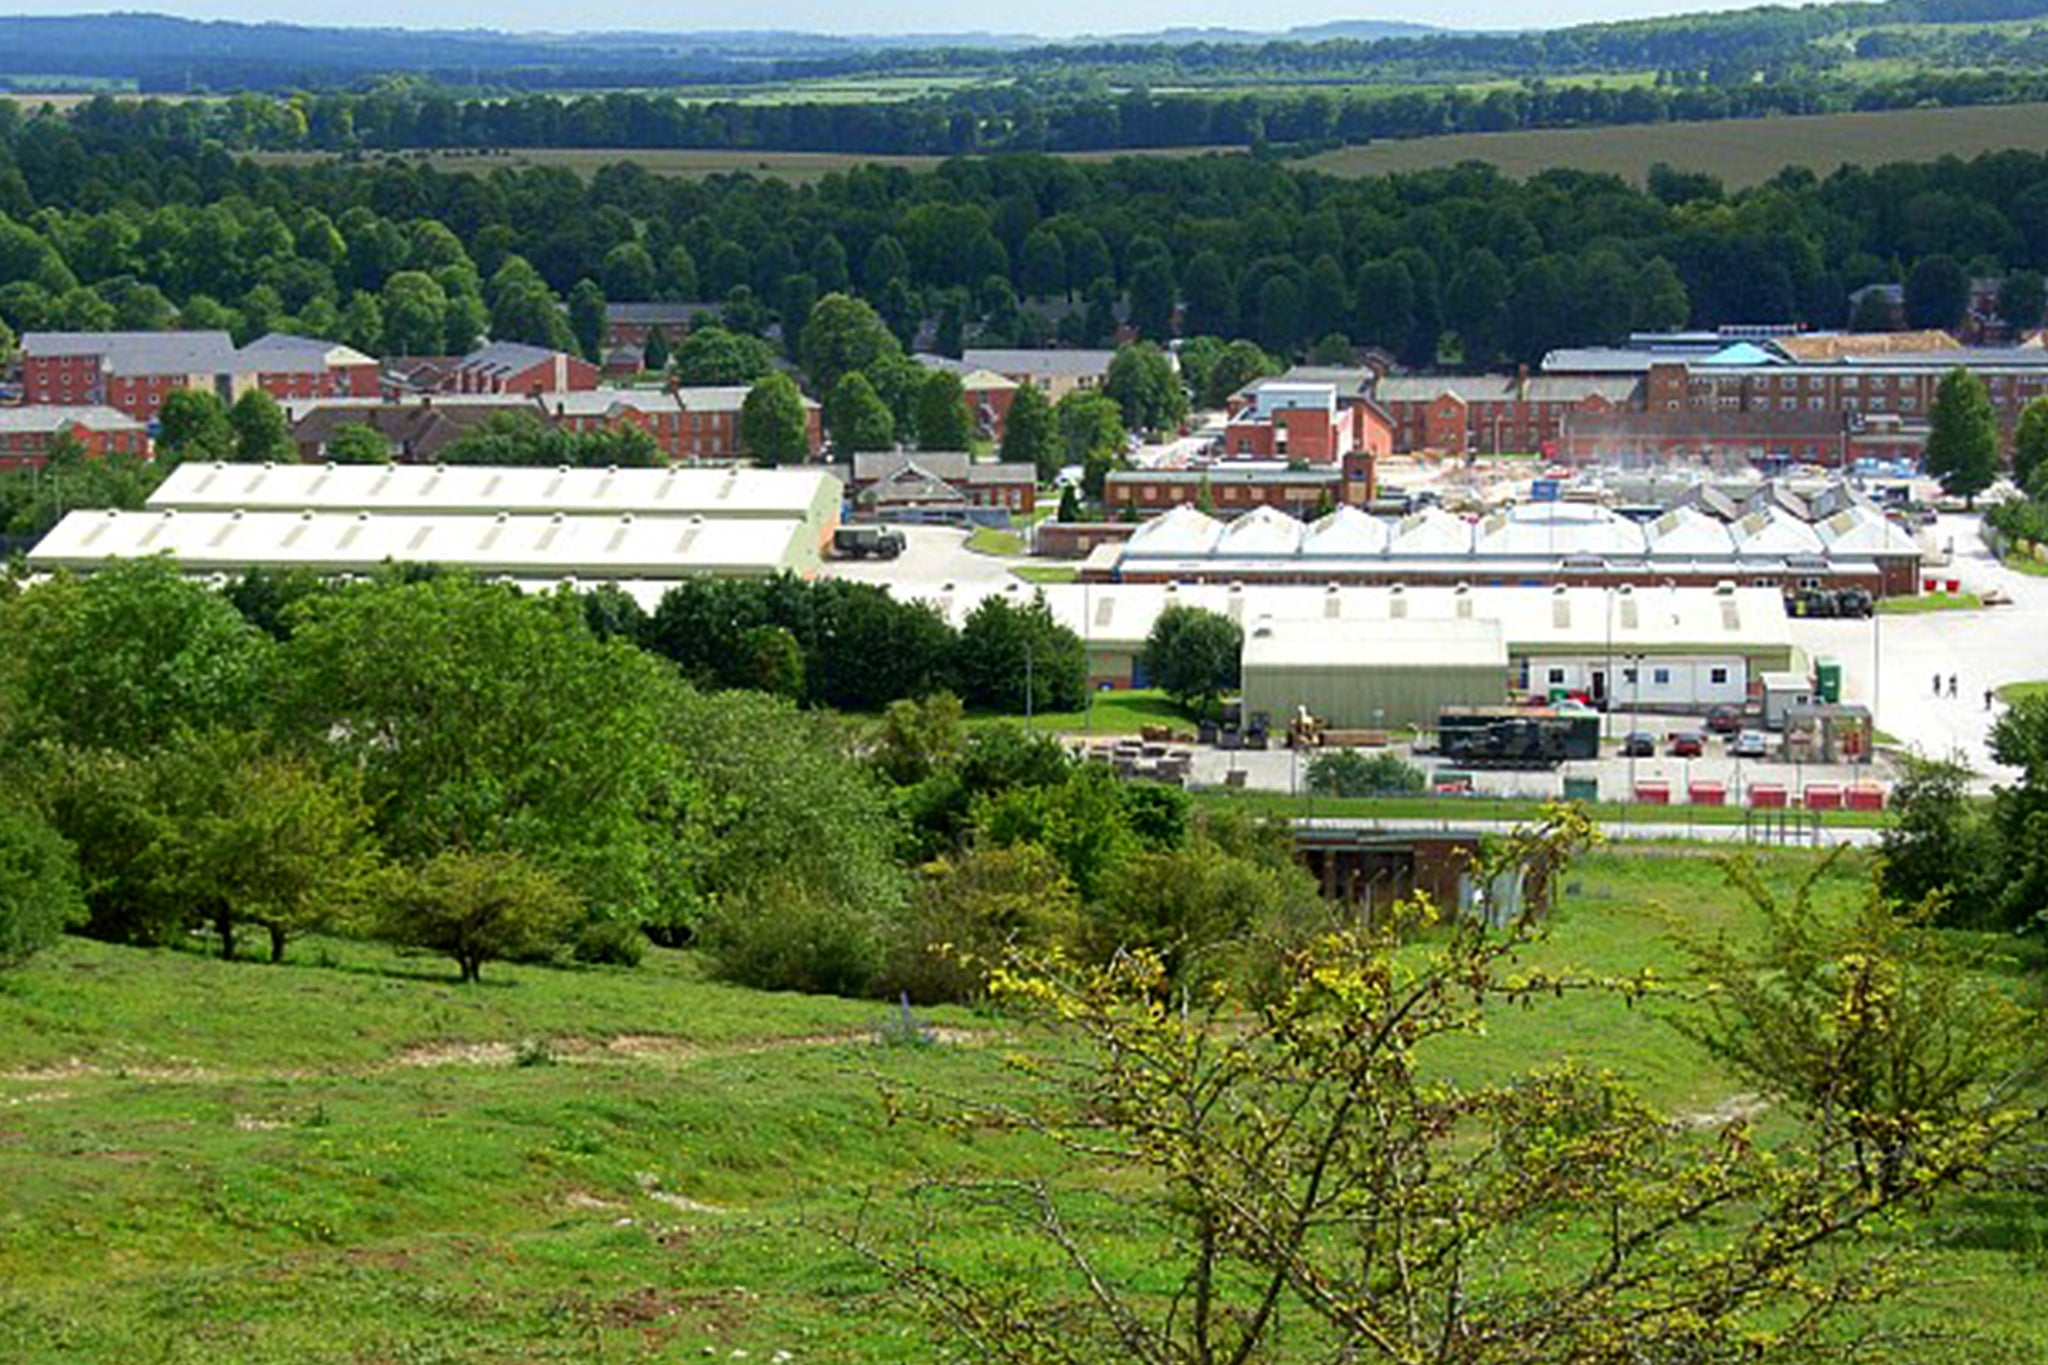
524 547
807 494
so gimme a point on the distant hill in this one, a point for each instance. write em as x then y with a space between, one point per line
165 53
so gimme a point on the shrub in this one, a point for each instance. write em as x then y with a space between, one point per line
609 943
968 911
1346 772
780 938
39 892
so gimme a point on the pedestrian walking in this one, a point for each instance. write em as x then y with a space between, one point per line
1937 684
1988 695
1951 685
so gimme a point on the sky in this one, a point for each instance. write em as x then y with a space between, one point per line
1051 18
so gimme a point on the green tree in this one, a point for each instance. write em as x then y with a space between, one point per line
711 355
771 661
969 909
484 720
917 738
1240 363
1070 505
1145 387
1936 848
1195 656
1476 303
192 425
477 908
942 421
586 318
1091 425
1031 433
2022 296
774 428
1937 292
354 443
856 418
39 885
414 314
1962 436
843 334
253 836
2030 446
126 658
1015 659
261 434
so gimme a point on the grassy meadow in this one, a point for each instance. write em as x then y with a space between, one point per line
352 1158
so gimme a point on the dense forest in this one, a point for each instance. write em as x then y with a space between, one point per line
99 230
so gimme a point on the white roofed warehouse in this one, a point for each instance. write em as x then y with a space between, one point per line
528 524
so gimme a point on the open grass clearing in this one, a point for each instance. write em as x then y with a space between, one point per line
1048 573
1739 151
2015 692
995 540
290 1197
1924 603
1113 711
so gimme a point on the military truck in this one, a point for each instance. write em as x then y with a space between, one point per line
867 542
1511 737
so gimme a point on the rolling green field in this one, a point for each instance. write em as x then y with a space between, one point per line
352 1158
1739 151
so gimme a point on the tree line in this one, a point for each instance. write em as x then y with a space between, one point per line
1027 115
461 770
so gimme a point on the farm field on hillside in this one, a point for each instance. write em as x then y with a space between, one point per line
353 1158
1740 151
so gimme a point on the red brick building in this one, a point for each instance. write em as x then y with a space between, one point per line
515 367
1230 488
27 433
1495 414
937 483
690 426
130 371
1308 423
293 367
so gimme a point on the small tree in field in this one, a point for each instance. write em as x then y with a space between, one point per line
478 908
1869 1027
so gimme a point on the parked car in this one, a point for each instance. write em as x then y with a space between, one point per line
1686 744
1724 720
1750 744
1639 744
